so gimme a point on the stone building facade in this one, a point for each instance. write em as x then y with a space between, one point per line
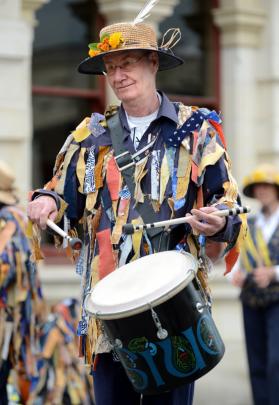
249 90
246 90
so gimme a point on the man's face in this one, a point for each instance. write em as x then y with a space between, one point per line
131 74
265 193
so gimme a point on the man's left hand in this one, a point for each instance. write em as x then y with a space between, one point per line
203 223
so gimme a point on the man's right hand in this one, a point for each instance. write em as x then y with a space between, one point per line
41 209
238 278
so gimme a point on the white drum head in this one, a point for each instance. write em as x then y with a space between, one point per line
150 280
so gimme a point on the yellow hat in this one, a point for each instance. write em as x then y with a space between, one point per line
7 189
263 174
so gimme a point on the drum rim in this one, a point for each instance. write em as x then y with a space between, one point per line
147 305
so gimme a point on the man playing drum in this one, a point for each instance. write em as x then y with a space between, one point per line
148 160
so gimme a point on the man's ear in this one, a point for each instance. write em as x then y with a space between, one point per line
154 59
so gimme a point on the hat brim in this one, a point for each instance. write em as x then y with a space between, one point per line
248 190
95 65
8 198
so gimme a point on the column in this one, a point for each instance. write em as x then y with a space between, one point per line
16 36
241 24
268 100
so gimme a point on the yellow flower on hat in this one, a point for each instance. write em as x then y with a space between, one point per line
115 40
93 52
107 43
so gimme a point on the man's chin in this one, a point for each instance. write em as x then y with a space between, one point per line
125 95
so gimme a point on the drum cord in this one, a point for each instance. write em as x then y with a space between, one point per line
141 399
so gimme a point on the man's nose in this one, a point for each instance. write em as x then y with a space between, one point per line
118 73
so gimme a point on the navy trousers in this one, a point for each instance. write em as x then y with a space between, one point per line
112 387
4 375
262 342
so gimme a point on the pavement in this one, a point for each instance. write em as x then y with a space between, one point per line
227 383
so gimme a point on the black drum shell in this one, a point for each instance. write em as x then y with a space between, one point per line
193 346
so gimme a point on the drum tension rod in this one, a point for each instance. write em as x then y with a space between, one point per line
161 333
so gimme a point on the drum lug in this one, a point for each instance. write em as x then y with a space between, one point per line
161 332
200 307
117 344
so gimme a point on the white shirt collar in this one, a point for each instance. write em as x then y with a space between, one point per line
268 224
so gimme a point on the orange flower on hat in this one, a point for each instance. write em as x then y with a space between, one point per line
104 45
115 40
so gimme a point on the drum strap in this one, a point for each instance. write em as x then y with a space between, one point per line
126 162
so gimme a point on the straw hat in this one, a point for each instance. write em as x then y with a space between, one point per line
263 174
131 36
7 190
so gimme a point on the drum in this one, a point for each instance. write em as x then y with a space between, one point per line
158 321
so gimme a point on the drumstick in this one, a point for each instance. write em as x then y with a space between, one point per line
75 243
130 228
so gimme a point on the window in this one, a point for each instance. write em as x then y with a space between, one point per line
62 97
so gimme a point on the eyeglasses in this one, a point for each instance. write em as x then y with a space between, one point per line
126 66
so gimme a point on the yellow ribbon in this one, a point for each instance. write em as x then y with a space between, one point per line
263 249
210 158
259 251
120 221
183 173
230 187
136 239
139 175
82 132
91 200
80 169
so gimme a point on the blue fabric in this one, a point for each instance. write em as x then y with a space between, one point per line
262 336
112 387
71 193
193 123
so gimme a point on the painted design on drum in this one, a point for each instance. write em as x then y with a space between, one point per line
138 344
141 344
137 377
183 356
208 335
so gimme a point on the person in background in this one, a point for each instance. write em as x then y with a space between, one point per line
257 274
62 378
22 307
148 160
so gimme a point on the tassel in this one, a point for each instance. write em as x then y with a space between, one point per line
175 37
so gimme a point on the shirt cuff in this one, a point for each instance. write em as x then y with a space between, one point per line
230 231
42 192
60 203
